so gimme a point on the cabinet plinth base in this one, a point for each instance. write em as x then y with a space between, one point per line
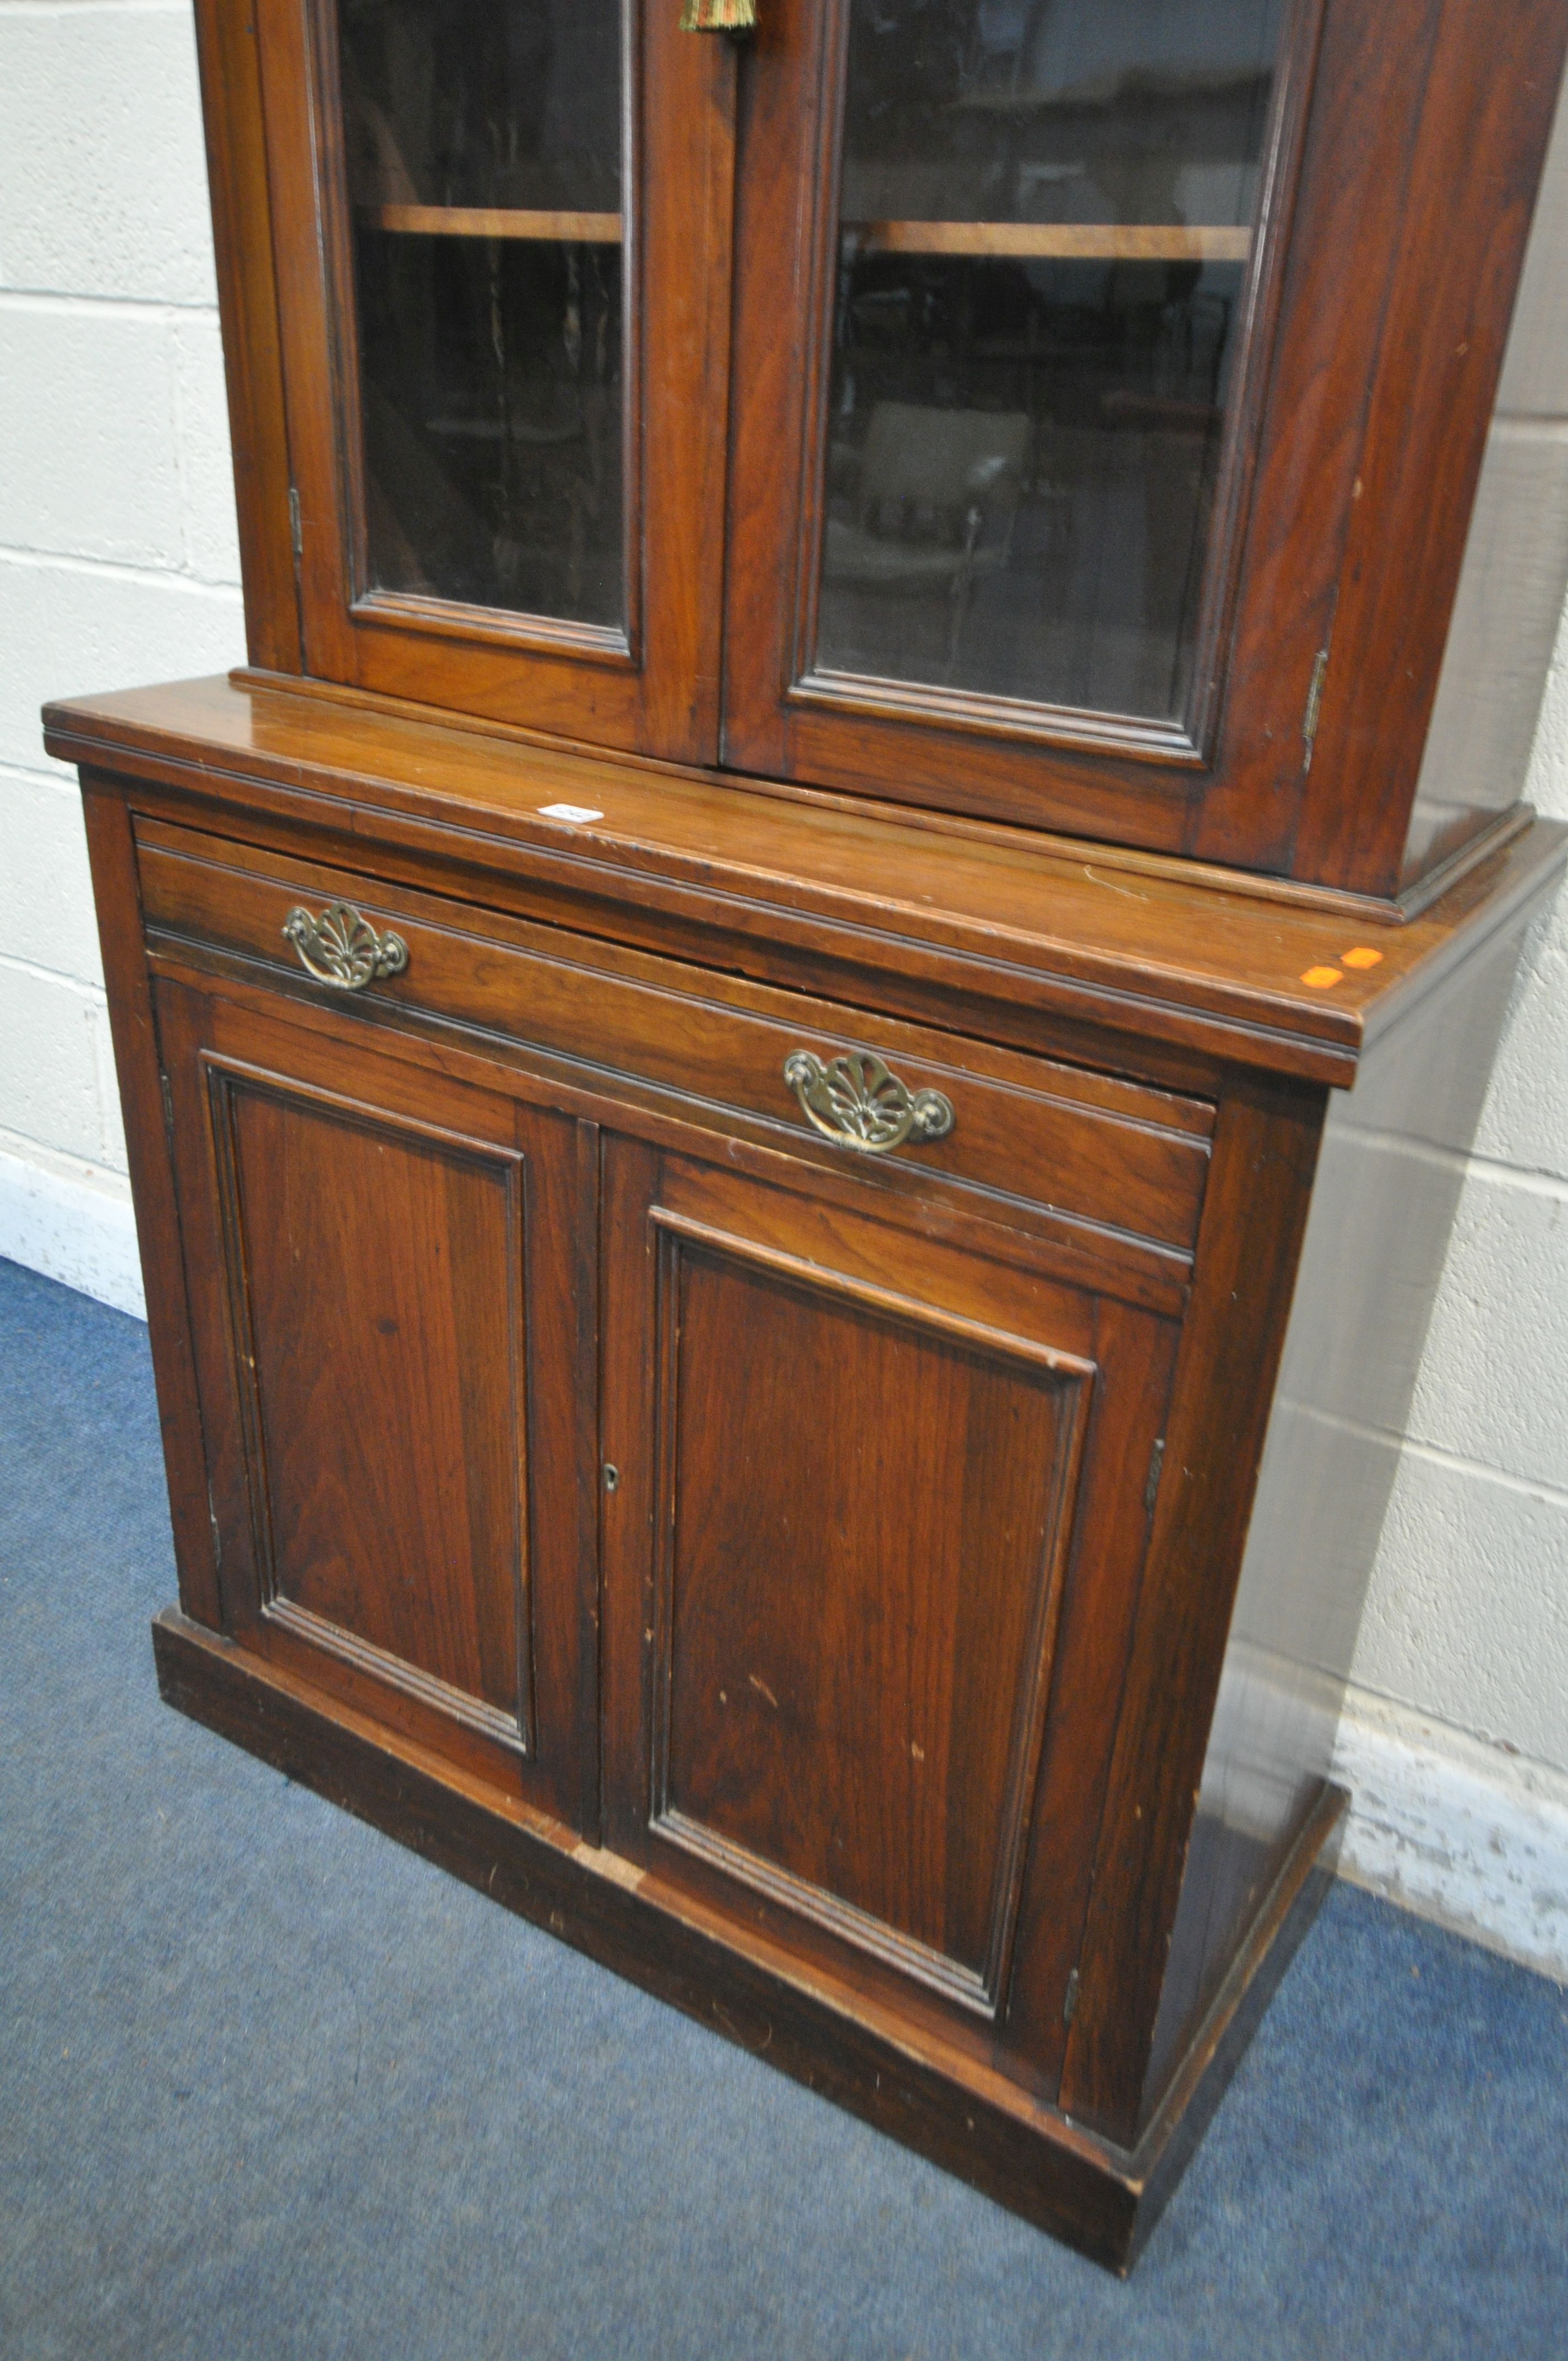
1027 2157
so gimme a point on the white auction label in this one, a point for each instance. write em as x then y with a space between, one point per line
569 811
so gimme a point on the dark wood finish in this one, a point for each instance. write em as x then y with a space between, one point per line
1013 939
149 1153
819 1585
1376 330
1339 539
249 305
1488 110
1383 1208
1026 2156
654 687
1263 1949
1266 1149
1102 1154
381 1276
882 1432
877 1494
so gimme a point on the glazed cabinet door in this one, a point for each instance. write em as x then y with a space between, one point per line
387 1274
877 1510
501 241
1097 369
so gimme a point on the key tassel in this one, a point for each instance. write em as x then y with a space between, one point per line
718 15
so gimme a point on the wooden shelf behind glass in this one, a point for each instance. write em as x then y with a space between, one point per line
494 221
1054 241
1035 241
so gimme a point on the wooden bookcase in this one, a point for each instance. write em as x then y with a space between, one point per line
747 1042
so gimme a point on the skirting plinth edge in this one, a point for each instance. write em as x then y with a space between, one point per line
1027 2157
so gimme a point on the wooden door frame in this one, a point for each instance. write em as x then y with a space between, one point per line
285 269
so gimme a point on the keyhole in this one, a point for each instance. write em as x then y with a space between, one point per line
611 1477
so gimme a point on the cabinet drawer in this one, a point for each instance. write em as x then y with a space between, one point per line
1104 1154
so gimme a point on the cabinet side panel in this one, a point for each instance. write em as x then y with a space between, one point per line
1509 602
248 299
1388 1182
115 890
1266 1149
1484 127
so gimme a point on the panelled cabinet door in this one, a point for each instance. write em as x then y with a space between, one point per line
384 1286
870 1562
503 235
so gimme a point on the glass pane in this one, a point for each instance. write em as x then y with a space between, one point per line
485 171
1044 233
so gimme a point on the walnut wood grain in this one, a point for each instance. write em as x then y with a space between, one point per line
803 1403
1490 101
1266 1152
655 687
252 330
1302 526
1107 1153
148 1151
804 1582
381 1279
1014 929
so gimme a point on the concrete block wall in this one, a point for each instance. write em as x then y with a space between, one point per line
1454 1740
117 553
119 564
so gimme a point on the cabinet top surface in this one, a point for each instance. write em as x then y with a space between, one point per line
1298 988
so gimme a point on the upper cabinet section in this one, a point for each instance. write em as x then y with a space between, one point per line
1064 412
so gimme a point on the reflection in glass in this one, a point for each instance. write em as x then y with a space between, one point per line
1043 234
485 175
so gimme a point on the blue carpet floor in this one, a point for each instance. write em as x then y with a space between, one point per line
270 2086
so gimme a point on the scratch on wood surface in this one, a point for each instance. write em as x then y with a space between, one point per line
1126 891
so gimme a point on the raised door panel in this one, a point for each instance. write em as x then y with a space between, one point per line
858 1482
384 1282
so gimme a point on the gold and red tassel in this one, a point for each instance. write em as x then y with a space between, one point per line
718 15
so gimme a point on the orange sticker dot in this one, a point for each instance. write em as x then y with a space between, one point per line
1319 978
1362 956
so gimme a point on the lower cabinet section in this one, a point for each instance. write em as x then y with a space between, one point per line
717 1387
780 1547
735 1548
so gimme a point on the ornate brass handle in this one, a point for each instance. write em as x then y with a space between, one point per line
342 949
856 1102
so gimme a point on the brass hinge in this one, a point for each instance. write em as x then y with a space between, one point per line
168 1106
1157 1460
1314 707
296 529
1069 2004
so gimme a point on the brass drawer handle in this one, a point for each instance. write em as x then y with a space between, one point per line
856 1103
342 949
